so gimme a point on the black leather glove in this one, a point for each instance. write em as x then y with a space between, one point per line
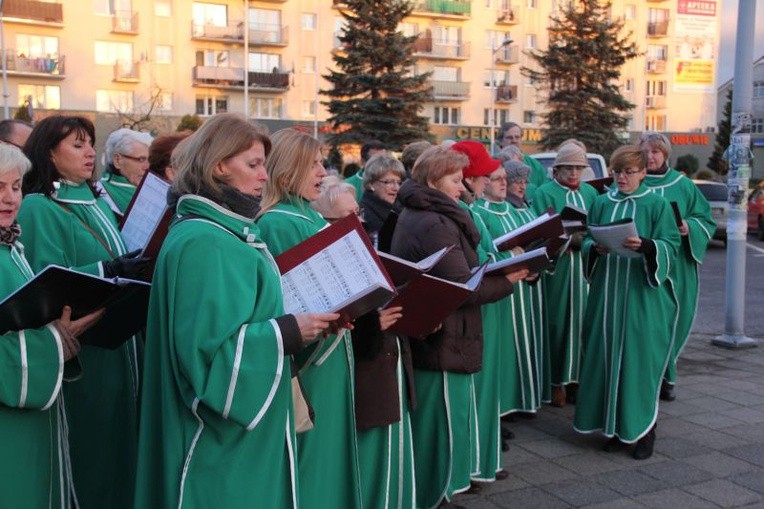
130 265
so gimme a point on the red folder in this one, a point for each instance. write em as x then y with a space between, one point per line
602 184
535 261
532 234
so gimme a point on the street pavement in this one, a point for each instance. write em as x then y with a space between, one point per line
709 450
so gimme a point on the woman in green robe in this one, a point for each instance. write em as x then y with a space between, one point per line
216 423
697 230
127 159
34 471
525 361
630 316
65 223
327 454
565 288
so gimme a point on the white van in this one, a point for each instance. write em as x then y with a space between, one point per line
597 165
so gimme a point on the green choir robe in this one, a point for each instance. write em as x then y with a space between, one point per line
564 289
101 406
538 176
34 471
694 209
526 359
327 454
356 180
216 425
119 189
630 320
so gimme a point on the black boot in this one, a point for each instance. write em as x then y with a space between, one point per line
667 391
644 448
613 445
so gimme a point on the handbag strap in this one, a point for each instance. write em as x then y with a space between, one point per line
88 228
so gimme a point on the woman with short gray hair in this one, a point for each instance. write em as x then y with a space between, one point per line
126 156
382 178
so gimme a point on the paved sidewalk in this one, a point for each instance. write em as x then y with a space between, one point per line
709 450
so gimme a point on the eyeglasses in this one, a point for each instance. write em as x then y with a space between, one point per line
625 172
141 159
390 182
499 179
9 142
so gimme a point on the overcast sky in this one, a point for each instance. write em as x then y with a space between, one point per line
726 65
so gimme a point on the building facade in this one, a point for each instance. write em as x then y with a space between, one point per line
122 58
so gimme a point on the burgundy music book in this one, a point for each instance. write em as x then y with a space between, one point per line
601 184
532 234
535 261
402 271
428 300
335 271
42 298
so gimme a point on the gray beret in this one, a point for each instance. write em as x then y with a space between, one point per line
516 170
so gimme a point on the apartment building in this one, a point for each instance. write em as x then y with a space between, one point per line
265 57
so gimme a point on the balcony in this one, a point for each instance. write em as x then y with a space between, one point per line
506 94
656 66
449 90
443 8
268 35
508 55
37 67
33 12
432 48
232 78
233 31
127 72
508 15
657 28
125 22
655 102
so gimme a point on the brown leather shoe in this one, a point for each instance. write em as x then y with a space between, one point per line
558 396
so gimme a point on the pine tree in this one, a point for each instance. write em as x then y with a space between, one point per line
375 94
580 72
716 162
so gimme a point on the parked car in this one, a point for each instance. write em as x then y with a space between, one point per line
596 163
716 194
756 212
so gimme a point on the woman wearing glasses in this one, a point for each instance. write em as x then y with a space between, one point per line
565 289
382 178
127 159
631 312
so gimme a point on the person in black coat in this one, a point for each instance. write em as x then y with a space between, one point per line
382 178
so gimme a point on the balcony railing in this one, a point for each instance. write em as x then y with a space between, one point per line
34 66
426 46
233 78
444 7
127 72
656 66
506 94
233 31
450 90
124 23
508 15
508 55
35 11
655 101
265 34
657 28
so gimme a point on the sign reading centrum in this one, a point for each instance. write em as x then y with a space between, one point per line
484 134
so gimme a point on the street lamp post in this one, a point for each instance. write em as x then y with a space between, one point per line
6 113
492 114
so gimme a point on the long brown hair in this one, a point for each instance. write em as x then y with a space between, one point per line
289 165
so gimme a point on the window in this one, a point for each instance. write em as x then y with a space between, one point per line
499 77
529 117
446 115
211 105
309 21
440 73
656 88
757 126
163 8
114 100
655 123
36 46
212 58
629 85
446 35
409 29
110 7
46 97
267 107
309 64
657 52
494 38
163 54
500 116
210 14
309 108
531 41
109 53
264 62
264 19
531 4
758 89
630 11
164 101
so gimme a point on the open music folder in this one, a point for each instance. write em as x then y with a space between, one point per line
402 271
42 298
334 271
532 234
147 217
535 261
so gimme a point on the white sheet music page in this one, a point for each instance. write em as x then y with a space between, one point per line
146 213
332 277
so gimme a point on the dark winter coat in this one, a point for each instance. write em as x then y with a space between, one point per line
375 210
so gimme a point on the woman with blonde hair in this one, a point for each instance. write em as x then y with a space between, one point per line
327 455
216 416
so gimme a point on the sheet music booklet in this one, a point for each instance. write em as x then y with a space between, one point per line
402 271
147 218
532 234
612 236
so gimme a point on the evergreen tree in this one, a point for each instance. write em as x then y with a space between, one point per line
580 73
716 162
375 94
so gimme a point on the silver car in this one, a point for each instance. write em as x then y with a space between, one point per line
716 194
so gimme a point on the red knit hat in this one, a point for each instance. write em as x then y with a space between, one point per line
481 163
